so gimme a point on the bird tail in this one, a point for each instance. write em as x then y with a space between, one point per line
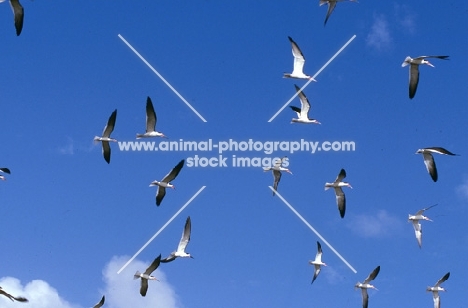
138 136
137 275
96 139
406 62
328 186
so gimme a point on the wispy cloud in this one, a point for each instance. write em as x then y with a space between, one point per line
462 190
67 149
379 36
381 224
405 18
121 290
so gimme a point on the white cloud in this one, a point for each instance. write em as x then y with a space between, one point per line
121 290
39 293
379 37
379 225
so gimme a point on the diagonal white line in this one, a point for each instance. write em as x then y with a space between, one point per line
162 78
313 77
313 230
161 229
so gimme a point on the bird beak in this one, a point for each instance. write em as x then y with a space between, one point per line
430 64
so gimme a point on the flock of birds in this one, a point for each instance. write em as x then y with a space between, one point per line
277 168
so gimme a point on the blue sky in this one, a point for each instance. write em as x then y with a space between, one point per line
70 220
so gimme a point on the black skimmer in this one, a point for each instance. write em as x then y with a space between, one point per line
150 122
303 112
317 263
429 160
147 275
414 70
436 288
277 168
18 13
184 240
366 285
340 196
299 61
13 298
165 182
331 6
5 170
417 226
101 302
105 138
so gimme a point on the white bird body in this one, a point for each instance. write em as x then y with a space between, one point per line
340 196
317 262
299 61
429 159
436 289
106 138
165 182
416 225
276 169
184 240
366 285
303 112
147 275
414 64
150 122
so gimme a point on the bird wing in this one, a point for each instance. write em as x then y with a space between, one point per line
430 165
150 116
160 195
18 13
417 231
420 212
299 59
6 170
372 275
101 302
441 280
174 172
413 79
440 150
340 200
154 265
317 269
305 105
106 151
436 299
340 176
110 124
297 110
185 239
438 57
277 178
143 286
331 7
318 256
365 298
170 258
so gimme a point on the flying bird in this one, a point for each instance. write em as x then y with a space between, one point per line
436 288
414 70
18 14
340 196
147 275
150 122
331 6
416 225
13 298
184 240
317 263
4 170
105 139
166 182
366 285
429 160
299 61
277 168
101 302
303 112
